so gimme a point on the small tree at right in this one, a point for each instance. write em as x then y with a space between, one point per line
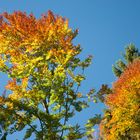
121 120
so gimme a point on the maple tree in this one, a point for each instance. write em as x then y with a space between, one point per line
40 59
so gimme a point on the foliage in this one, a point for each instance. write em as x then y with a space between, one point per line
40 59
131 53
122 120
45 73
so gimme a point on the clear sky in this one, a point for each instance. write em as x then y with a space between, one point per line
105 28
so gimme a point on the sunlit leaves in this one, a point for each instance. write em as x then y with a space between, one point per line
122 120
39 57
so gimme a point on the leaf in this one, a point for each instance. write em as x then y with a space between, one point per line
29 132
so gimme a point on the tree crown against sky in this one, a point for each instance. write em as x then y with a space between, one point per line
40 59
45 73
121 118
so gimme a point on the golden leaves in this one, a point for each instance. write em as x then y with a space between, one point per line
124 104
126 85
24 34
24 82
29 44
37 55
11 85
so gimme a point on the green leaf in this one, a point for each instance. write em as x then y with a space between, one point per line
29 132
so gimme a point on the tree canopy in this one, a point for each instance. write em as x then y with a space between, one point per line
45 73
40 58
121 119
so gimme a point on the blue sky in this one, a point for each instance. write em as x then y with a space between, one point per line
105 28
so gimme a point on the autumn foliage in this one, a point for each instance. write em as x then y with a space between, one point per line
44 75
122 120
40 58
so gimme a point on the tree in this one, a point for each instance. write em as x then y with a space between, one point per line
131 53
45 73
121 119
40 59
